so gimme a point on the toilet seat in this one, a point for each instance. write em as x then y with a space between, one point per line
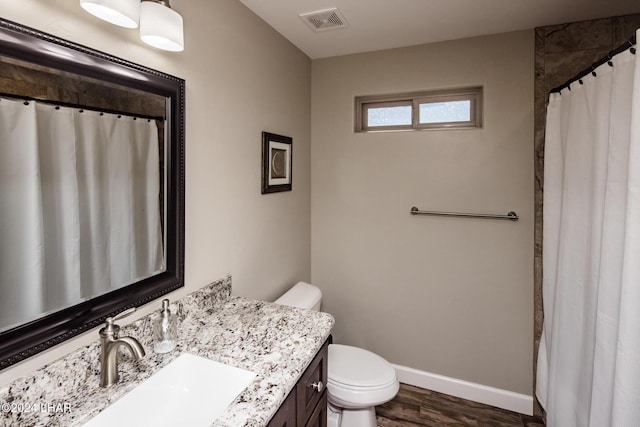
358 378
353 366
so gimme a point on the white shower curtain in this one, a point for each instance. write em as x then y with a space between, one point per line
589 355
79 206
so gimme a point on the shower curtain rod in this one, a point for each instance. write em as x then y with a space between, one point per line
78 106
629 44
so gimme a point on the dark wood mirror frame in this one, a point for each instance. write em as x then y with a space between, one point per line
30 45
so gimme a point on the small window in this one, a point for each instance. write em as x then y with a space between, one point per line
445 111
390 114
451 109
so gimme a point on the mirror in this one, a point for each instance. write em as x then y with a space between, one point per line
92 188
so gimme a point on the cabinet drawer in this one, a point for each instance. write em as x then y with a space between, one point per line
311 387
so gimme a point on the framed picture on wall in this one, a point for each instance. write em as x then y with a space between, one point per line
276 163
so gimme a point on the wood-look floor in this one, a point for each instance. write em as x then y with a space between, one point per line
417 407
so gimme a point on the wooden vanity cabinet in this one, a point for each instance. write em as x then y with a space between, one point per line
286 415
306 405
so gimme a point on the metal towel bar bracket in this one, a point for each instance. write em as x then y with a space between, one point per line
511 216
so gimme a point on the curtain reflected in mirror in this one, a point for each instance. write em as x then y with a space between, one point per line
80 202
91 188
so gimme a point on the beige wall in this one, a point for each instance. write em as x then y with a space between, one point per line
443 295
452 297
241 78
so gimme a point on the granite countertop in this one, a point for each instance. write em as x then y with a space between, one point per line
274 341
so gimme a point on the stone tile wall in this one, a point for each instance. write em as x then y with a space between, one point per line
30 80
563 51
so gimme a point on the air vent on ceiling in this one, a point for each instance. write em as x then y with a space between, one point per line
323 20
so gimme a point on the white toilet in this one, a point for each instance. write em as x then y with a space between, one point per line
358 379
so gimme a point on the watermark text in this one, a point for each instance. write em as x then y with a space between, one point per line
31 407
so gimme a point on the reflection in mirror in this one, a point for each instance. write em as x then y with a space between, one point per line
83 190
91 188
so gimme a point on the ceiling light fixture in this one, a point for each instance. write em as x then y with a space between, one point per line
161 26
124 13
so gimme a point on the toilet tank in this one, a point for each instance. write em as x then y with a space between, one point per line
302 295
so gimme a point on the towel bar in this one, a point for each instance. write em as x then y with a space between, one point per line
512 216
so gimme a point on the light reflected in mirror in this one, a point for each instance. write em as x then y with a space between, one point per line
91 188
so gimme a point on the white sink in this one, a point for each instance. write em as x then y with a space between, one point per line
189 391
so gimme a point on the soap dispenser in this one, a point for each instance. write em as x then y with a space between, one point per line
165 330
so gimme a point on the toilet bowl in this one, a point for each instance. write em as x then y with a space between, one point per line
358 379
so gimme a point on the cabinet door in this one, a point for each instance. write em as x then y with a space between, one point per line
306 405
311 386
286 415
319 416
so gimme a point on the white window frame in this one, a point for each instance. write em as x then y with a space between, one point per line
414 99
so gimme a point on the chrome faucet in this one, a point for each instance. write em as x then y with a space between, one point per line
109 349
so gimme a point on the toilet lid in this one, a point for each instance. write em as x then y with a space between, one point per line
355 366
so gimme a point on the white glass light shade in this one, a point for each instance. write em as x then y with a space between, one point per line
124 13
161 26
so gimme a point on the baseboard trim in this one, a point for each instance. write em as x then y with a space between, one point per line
466 390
